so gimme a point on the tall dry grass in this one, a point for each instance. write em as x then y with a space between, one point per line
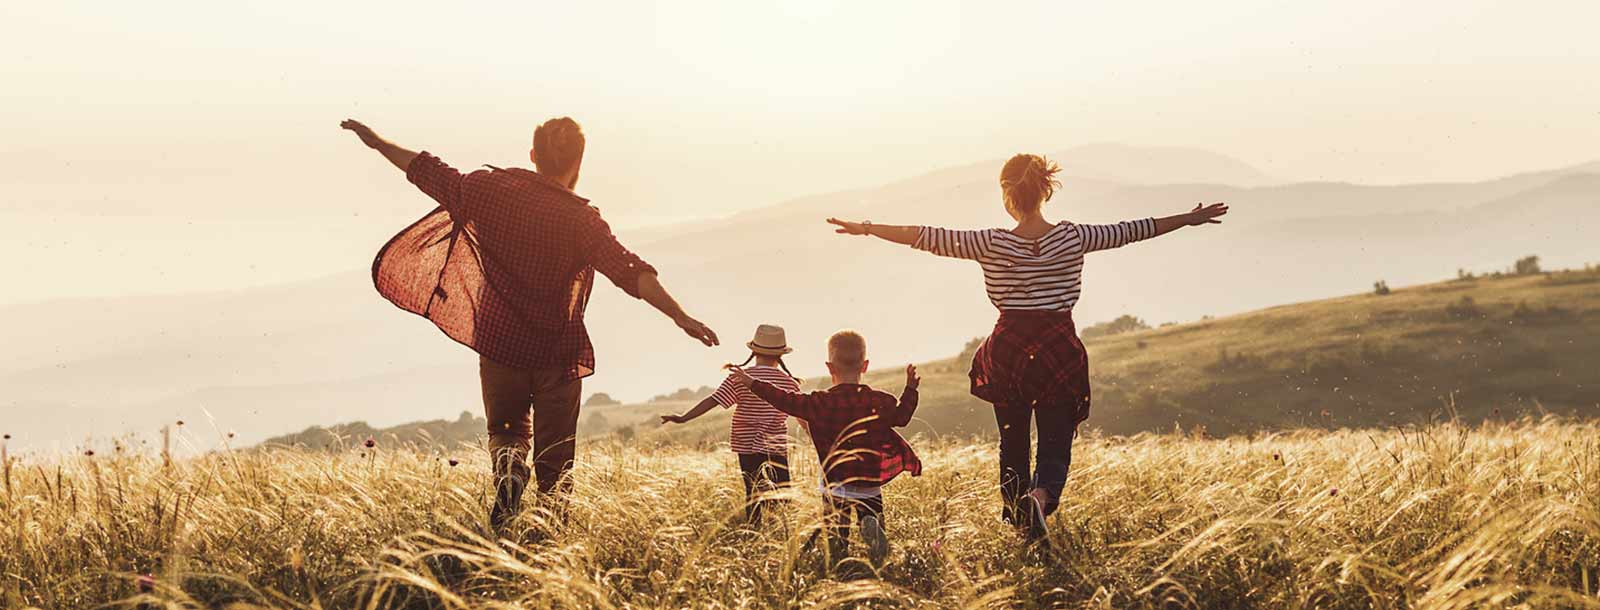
1504 515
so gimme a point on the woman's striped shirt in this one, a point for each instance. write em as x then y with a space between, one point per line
1038 274
757 427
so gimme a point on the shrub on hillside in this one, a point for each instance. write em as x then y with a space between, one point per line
970 350
1380 288
1123 324
1463 309
601 399
684 394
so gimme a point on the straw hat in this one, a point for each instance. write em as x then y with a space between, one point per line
769 341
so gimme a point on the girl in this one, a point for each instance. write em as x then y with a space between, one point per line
759 434
1032 367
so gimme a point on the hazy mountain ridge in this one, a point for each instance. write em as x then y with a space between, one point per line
126 359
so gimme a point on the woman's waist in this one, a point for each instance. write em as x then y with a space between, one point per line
1041 315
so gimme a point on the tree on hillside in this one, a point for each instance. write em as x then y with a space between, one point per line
684 394
969 350
1527 265
1380 288
601 399
1123 324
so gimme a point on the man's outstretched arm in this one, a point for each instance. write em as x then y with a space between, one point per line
651 290
400 157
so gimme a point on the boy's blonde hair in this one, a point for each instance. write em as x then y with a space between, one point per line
848 348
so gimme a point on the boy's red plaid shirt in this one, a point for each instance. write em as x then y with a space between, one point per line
852 427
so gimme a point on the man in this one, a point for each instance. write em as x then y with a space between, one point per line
505 266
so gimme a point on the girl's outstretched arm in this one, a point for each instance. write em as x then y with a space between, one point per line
900 234
697 411
1200 215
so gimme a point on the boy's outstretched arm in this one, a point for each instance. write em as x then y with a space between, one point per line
400 157
697 411
909 398
793 403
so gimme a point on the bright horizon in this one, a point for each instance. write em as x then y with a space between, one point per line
224 118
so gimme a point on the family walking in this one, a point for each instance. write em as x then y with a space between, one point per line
506 263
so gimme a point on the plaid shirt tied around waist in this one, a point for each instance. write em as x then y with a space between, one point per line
505 265
1033 357
852 427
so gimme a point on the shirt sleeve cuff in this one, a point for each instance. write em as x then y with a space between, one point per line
922 239
420 165
634 270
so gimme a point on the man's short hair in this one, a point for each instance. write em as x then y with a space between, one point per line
558 145
847 347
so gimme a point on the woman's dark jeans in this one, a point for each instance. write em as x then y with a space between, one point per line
1057 426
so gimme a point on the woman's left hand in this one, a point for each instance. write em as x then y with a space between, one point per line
848 228
1207 214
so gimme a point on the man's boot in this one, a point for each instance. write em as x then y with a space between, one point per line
511 480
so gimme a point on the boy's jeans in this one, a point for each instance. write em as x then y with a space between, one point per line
523 405
1057 426
840 514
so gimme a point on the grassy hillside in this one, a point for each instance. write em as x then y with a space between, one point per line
1438 517
1523 345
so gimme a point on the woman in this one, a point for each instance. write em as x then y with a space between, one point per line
1032 367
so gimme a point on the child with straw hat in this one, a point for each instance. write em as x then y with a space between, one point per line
759 433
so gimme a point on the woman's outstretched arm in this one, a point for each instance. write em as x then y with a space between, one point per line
1117 235
899 234
970 245
1200 215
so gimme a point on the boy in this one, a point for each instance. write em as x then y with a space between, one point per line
852 427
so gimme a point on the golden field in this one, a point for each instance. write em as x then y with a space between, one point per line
1439 516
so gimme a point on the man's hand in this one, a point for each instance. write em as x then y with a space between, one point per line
700 332
368 137
672 419
912 380
1208 214
740 376
399 157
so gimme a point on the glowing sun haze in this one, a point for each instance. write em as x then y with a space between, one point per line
212 121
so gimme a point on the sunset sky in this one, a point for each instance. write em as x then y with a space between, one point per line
197 125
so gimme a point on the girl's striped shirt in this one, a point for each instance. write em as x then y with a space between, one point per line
1038 274
757 427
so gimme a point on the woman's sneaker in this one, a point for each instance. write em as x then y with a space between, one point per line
877 542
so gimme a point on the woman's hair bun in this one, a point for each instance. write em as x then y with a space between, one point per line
1027 181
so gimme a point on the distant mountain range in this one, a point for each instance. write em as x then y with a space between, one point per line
267 361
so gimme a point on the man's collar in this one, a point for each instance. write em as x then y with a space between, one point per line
539 178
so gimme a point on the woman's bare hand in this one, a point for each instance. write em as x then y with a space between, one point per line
1207 214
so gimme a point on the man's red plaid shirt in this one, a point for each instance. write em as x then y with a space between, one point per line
505 265
852 427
